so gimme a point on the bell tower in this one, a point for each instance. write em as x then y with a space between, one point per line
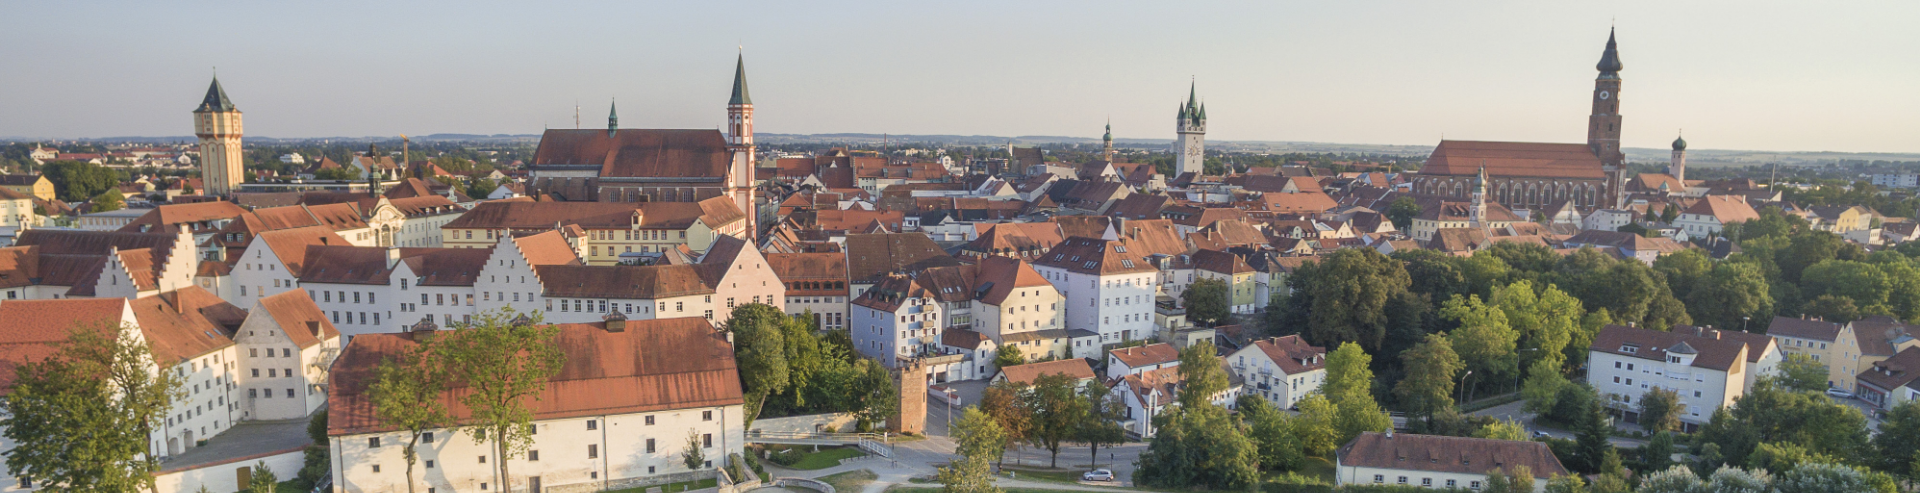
1190 150
1603 126
217 123
740 179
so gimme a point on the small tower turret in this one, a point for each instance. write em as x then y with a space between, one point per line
1106 142
1678 168
740 180
613 118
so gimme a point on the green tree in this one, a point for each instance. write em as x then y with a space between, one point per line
1779 456
695 455
1008 355
1822 478
1198 447
879 396
980 440
262 479
1432 273
504 360
1430 369
1800 372
1566 483
1502 430
1101 424
406 395
1657 454
1316 426
1272 432
1543 386
1677 479
1058 411
1660 410
110 200
1590 440
1832 308
340 174
74 181
1484 340
1344 296
1349 375
480 187
1201 374
1684 270
1207 301
1546 322
1402 211
1002 402
81 417
760 351
1898 445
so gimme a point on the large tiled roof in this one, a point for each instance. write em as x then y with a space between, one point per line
1096 256
1717 349
652 365
446 266
31 329
525 215
1028 240
623 281
1292 354
1513 159
186 323
1623 240
638 153
291 244
1221 262
1804 329
1445 454
1894 372
1878 335
1148 355
546 248
1728 209
166 216
294 311
1027 373
872 255
999 276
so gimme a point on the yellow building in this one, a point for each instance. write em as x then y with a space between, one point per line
217 123
36 185
16 210
1847 349
606 230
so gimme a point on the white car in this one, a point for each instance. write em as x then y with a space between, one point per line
1839 394
1541 434
1097 475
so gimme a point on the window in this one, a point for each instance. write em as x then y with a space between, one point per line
649 420
483 460
649 448
593 451
1377 479
1451 483
1476 484
429 466
426 437
706 415
706 440
1403 480
1426 482
373 442
376 468
533 456
593 424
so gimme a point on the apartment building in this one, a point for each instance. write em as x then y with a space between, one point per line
1283 370
1708 368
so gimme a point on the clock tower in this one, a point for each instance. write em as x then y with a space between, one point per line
217 124
1603 127
1190 150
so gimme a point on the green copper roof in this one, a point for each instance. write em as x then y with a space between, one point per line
216 99
1109 136
740 83
613 117
1679 143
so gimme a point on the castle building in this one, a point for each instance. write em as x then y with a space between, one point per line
1528 175
1190 150
217 123
653 165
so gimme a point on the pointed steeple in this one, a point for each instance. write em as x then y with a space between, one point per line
1109 136
613 117
1609 59
740 82
216 99
1193 91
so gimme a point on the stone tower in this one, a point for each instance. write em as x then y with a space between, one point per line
740 179
1678 168
1477 213
1107 143
1190 151
217 123
1603 127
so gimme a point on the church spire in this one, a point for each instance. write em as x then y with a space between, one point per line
740 82
1610 59
613 118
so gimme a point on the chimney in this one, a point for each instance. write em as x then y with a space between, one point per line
313 326
1633 325
616 322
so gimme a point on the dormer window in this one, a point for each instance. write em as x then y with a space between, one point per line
1629 348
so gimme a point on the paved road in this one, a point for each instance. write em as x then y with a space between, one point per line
1513 411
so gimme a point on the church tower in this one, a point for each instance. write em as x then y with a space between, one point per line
1107 143
1678 168
217 123
1603 127
1190 151
740 179
1477 212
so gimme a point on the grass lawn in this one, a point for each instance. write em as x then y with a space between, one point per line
672 487
1317 467
850 481
810 460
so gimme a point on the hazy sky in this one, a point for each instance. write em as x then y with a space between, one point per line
1771 75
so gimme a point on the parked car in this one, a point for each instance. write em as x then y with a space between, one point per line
1541 434
1097 475
1839 394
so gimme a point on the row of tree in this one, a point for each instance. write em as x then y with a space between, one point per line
789 367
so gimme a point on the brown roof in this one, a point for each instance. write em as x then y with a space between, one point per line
1894 372
1027 240
1460 455
652 365
1027 373
622 281
998 276
446 266
524 215
1803 329
872 255
186 323
165 217
1148 355
791 267
1293 354
638 153
1879 334
1716 349
293 311
1513 159
1221 262
291 244
1622 240
1140 206
1096 256
547 248
962 338
347 264
31 329
1728 209
1653 181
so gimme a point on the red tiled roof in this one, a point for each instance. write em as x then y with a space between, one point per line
640 153
1513 159
1027 373
1458 455
1148 355
652 365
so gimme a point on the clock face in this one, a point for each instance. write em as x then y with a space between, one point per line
1604 94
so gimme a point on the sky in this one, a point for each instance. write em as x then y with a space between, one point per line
1745 75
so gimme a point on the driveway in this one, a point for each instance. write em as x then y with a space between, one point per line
1514 411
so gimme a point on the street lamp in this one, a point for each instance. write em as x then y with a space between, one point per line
1743 323
1463 384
